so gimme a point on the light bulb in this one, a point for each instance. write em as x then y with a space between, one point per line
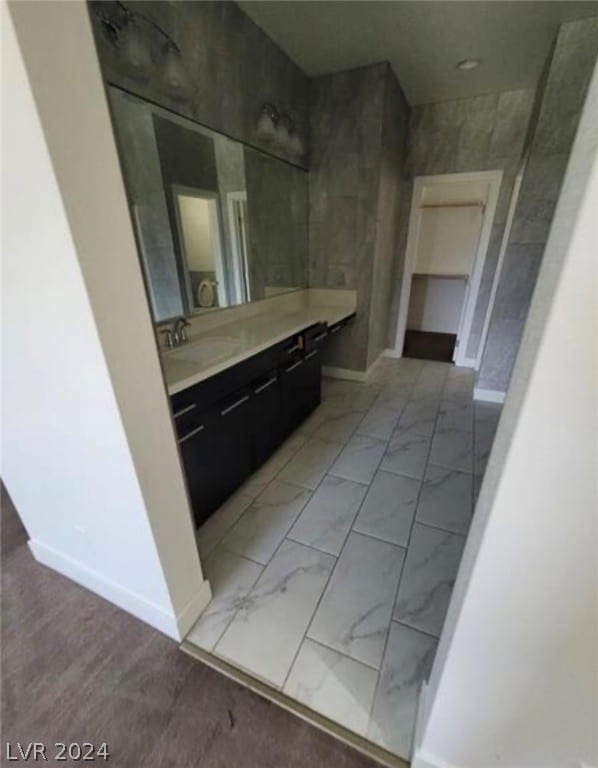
266 129
174 76
282 136
295 147
135 52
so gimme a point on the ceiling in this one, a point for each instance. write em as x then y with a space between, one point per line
423 41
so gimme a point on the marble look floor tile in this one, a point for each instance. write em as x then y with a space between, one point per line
487 414
362 399
333 685
419 416
231 577
407 664
359 459
389 508
452 448
268 471
477 485
462 373
217 526
355 611
329 514
309 465
338 427
458 389
393 398
446 499
482 442
455 415
407 454
315 419
379 423
268 629
332 387
427 582
266 522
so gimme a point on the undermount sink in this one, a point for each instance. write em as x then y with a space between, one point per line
208 350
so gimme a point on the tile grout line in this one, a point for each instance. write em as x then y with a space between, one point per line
405 549
305 634
400 579
217 544
416 629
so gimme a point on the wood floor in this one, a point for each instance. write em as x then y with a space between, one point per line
75 668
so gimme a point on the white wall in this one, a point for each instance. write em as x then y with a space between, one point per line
89 454
195 221
448 238
515 681
435 304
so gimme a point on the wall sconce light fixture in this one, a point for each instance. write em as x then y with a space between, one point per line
124 28
277 130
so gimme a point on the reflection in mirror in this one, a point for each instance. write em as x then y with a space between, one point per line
217 223
198 220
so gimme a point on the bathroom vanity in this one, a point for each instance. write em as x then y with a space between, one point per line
222 233
240 390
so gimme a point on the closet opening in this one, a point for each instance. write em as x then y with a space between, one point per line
449 231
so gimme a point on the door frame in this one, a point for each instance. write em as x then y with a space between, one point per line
239 244
213 199
494 179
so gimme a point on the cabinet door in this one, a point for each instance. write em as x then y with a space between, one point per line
200 464
232 445
268 428
302 387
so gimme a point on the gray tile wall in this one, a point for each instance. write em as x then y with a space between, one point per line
358 126
477 134
346 143
139 156
233 66
277 207
391 191
558 116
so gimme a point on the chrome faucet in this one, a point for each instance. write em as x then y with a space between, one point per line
179 330
176 335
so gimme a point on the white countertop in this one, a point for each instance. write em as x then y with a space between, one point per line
219 348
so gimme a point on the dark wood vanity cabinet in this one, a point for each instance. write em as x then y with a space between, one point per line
230 424
301 382
267 417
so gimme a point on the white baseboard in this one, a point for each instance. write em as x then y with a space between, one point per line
392 352
420 716
466 362
343 373
425 760
199 602
134 604
350 374
489 395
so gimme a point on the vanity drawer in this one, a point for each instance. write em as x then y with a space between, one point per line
315 337
187 418
207 393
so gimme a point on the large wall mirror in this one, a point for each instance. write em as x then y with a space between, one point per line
217 223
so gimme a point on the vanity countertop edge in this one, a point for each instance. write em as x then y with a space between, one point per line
250 337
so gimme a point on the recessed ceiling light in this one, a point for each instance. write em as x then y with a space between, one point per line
468 64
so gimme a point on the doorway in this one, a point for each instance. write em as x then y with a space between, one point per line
449 231
198 219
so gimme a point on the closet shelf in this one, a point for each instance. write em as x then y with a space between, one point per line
439 275
453 205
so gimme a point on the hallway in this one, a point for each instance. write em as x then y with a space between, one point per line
333 566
